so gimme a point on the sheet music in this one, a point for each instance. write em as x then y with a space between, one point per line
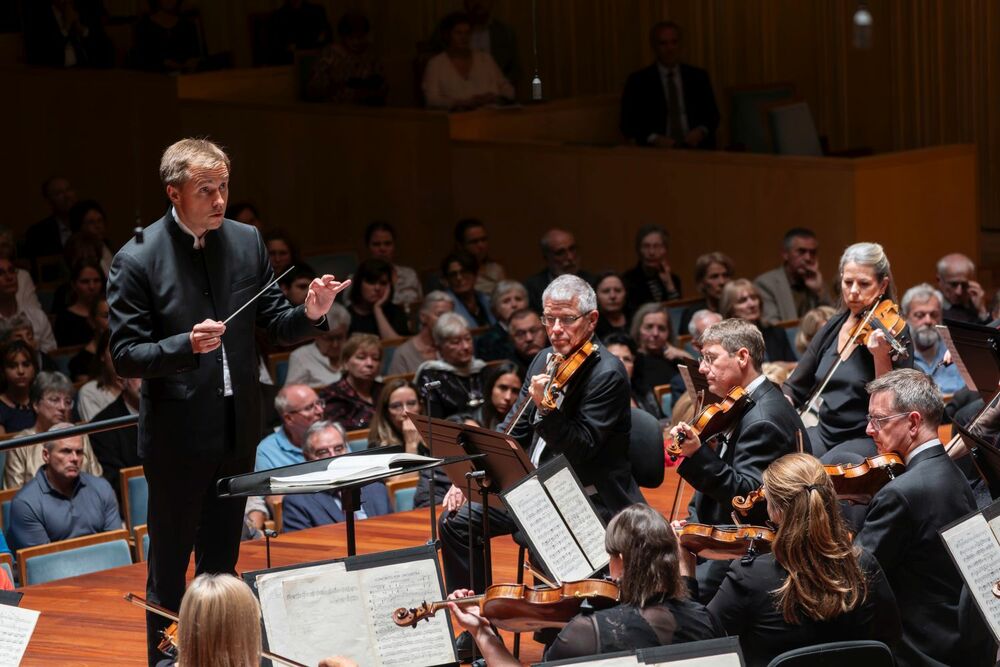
16 627
688 382
974 547
272 605
724 660
620 661
547 531
956 357
576 510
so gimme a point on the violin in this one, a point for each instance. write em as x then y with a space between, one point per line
523 608
884 316
867 477
725 542
743 504
714 419
559 369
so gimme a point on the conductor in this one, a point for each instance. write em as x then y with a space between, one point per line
200 403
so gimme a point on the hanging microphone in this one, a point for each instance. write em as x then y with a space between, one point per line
433 384
137 232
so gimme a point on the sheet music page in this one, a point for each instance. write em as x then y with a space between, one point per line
956 357
547 531
621 661
384 589
16 627
977 553
576 510
724 660
688 382
272 605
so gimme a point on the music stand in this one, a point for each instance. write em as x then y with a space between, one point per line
986 457
978 350
698 384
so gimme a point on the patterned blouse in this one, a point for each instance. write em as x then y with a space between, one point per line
344 405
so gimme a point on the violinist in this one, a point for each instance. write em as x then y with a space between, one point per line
814 586
733 463
904 517
865 277
654 608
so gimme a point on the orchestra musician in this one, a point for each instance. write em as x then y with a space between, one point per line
865 276
732 352
904 517
814 586
654 607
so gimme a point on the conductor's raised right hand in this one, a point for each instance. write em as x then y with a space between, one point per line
206 336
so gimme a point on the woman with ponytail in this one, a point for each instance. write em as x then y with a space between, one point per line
815 586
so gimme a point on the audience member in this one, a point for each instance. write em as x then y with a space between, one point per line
711 273
86 363
88 217
471 237
19 328
611 301
701 320
62 33
651 278
351 400
391 424
10 308
74 325
318 363
509 296
166 40
964 299
280 251
658 354
348 72
459 273
458 370
740 299
20 367
326 439
420 348
48 236
118 448
371 307
501 386
810 324
669 104
246 213
26 293
528 336
622 346
100 392
51 396
921 306
560 254
380 239
796 287
460 77
298 25
295 285
61 499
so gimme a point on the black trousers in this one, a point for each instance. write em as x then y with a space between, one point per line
184 515
454 533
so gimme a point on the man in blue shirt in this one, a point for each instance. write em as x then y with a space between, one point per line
921 306
62 501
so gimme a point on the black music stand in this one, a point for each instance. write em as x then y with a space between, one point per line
985 456
698 380
259 483
978 348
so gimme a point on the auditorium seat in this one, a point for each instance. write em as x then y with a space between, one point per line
134 494
401 492
6 496
357 440
141 534
857 653
7 563
73 557
645 449
277 366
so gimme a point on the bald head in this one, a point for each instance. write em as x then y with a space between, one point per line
559 251
299 408
956 273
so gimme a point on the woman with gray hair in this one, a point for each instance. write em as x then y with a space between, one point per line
456 369
420 348
865 277
508 297
318 363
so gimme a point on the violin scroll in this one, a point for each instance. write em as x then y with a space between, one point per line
410 617
743 504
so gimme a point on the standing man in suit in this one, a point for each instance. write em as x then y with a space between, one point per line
732 353
904 517
200 403
796 287
669 104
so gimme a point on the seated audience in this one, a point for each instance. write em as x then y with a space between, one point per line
460 77
701 320
651 278
741 300
796 287
118 448
97 394
964 299
61 499
458 271
348 71
810 324
51 397
669 104
380 239
10 309
528 336
73 324
490 36
622 346
307 510
654 608
88 218
457 370
295 285
657 361
246 213
420 348
390 425
318 363
47 237
298 25
471 238
371 307
921 306
501 387
815 586
20 366
66 33
711 273
166 40
19 328
509 296
351 400
26 292
86 363
611 300
281 251
560 254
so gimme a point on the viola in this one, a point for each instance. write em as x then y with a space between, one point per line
725 542
865 478
884 316
714 419
523 608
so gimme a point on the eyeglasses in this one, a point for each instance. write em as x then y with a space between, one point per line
877 422
525 333
562 320
399 405
318 404
59 401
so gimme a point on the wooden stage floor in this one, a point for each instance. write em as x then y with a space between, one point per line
85 621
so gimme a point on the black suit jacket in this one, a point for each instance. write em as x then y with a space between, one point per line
901 530
591 428
766 432
644 104
118 448
157 291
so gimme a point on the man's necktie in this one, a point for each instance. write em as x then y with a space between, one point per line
674 128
